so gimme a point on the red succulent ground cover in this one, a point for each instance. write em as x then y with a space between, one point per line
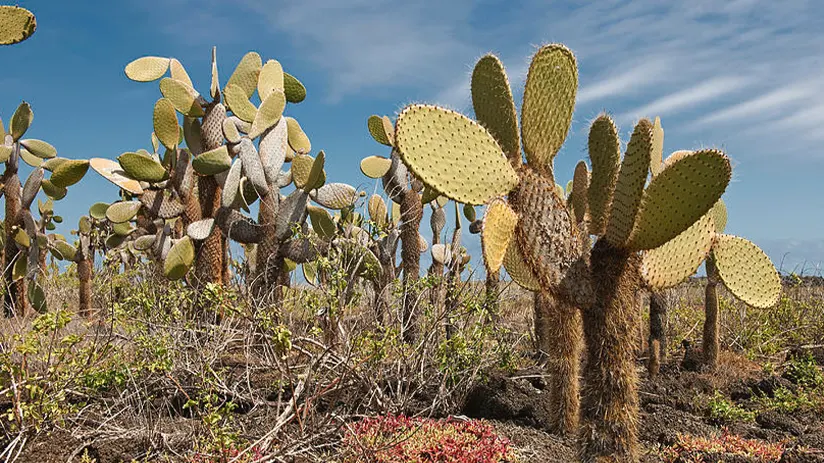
694 449
400 439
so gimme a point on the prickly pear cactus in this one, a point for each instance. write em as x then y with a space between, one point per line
16 24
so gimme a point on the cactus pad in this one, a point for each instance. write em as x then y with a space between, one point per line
161 204
230 131
657 157
746 271
497 232
518 270
68 173
239 103
142 167
63 250
165 123
147 68
16 24
39 148
269 113
238 227
20 121
297 138
112 172
98 210
378 130
292 211
549 99
52 191
377 210
441 254
335 195
183 97
201 229
375 166
301 168
322 222
437 221
317 176
494 106
252 167
629 188
32 187
246 74
668 265
578 195
270 79
30 159
453 154
294 89
231 186
686 188
212 162
5 152
604 156
179 72
180 258
719 215
122 211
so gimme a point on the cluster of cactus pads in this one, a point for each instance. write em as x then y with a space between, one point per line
227 153
543 238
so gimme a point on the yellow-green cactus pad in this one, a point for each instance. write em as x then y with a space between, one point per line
494 106
294 89
270 79
19 270
5 152
179 72
63 250
310 272
297 138
192 134
679 258
165 123
123 229
230 131
746 271
578 195
377 210
142 167
239 103
375 166
469 212
183 97
31 187
429 194
52 191
719 215
549 99
53 163
30 159
179 259
39 148
214 86
268 114
69 173
453 154
143 243
231 186
21 120
16 24
201 229
98 210
335 195
122 211
322 222
301 168
37 297
378 130
656 162
685 189
496 235
246 74
604 156
111 171
147 68
396 213
518 269
629 188
212 162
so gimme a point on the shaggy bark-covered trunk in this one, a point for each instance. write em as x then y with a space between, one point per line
609 407
657 332
562 342
491 294
15 301
209 263
711 322
84 275
268 264
411 214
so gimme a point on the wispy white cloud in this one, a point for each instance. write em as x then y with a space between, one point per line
632 79
757 107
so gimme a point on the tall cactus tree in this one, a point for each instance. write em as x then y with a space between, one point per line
533 233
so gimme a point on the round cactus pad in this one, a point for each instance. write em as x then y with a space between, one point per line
441 254
322 222
180 259
239 103
212 162
269 113
679 258
378 130
453 154
142 167
301 168
246 73
231 187
183 97
30 159
122 211
253 167
629 188
21 121
549 100
375 166
685 189
719 215
496 235
112 172
270 79
494 106
297 137
201 229
377 210
52 191
39 148
335 195
98 210
746 271
294 89
518 269
16 24
165 123
179 73
68 173
604 156
578 195
147 68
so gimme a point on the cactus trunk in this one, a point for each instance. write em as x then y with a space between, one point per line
436 270
711 322
411 214
491 295
609 411
15 301
562 342
84 275
657 331
268 266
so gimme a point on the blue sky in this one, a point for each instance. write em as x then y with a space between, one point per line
742 75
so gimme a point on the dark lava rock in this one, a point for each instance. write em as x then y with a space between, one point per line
503 398
773 420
